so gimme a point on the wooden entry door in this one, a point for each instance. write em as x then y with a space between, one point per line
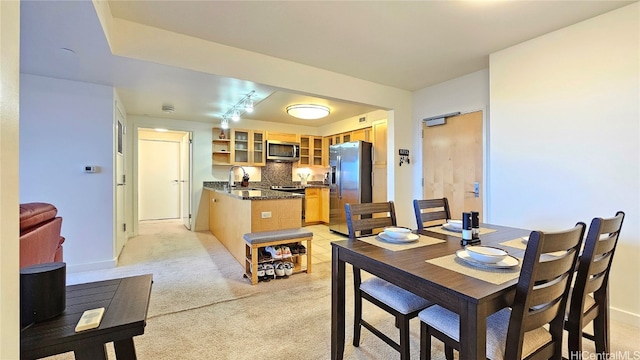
452 163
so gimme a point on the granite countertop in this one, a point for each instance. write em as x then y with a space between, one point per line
317 186
252 193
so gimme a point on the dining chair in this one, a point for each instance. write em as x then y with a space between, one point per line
519 332
362 219
589 300
430 211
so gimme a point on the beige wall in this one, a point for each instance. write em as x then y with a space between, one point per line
9 246
565 137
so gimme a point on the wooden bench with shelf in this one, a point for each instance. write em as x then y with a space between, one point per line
256 240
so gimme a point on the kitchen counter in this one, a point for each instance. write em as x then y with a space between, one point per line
255 193
320 186
244 210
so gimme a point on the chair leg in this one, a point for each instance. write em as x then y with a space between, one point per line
404 337
357 306
357 317
601 335
574 341
448 352
425 342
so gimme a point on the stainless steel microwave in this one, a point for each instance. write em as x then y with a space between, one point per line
283 151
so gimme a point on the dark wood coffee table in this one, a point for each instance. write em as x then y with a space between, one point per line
126 302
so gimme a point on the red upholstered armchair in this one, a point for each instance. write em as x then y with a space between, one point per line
40 240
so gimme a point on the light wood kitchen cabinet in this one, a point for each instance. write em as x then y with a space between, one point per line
317 205
221 147
318 152
311 151
325 151
231 217
379 141
305 149
258 147
361 134
324 204
328 141
313 209
282 137
247 147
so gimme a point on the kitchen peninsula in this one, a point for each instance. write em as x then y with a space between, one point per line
243 210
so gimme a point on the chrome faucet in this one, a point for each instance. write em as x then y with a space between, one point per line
230 183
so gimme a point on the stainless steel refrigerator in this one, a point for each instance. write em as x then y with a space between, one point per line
349 180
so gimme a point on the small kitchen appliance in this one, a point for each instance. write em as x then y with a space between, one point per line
283 151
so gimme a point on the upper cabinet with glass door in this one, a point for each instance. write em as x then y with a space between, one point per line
258 146
247 147
311 151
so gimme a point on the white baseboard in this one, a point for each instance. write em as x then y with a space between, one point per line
91 266
625 317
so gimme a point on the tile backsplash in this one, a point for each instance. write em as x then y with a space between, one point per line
273 173
277 173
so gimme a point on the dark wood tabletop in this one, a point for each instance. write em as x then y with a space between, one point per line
473 299
126 301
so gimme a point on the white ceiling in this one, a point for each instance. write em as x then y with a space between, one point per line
403 44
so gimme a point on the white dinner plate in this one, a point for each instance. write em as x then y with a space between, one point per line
455 223
408 239
451 228
508 263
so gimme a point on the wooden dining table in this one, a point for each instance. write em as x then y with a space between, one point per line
472 294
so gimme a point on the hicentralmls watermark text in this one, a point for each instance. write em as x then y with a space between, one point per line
616 355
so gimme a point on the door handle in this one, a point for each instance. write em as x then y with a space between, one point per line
476 189
175 181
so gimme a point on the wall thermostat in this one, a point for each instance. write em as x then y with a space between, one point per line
90 169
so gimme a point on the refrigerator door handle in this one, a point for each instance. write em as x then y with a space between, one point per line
338 176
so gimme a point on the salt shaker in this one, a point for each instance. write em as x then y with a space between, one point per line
467 232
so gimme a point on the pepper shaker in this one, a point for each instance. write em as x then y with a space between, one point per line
475 225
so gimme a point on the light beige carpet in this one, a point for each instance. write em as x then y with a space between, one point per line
202 308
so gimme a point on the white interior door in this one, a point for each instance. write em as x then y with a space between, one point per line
185 179
121 229
158 179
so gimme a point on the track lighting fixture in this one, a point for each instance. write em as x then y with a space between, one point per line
244 105
248 105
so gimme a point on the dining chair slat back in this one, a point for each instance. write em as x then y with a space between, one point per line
590 293
541 295
363 219
543 289
431 211
366 217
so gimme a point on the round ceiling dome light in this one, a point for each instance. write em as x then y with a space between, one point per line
308 111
